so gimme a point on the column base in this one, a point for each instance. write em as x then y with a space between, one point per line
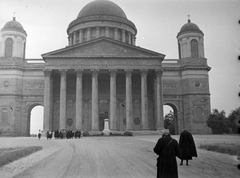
162 130
106 132
95 132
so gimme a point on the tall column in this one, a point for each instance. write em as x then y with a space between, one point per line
62 122
107 32
123 36
47 74
95 120
88 34
144 100
97 32
80 35
74 38
160 125
115 33
129 109
134 40
79 101
70 40
129 38
69 43
113 120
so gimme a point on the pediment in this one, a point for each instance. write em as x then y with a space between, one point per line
103 47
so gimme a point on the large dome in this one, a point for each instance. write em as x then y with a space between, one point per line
189 27
14 26
102 7
101 18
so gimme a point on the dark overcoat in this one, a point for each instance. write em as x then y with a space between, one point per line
166 162
187 146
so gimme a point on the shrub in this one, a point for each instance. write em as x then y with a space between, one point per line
85 133
127 133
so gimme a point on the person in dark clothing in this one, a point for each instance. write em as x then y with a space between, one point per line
167 149
187 147
39 134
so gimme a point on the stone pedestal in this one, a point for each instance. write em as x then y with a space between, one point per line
106 130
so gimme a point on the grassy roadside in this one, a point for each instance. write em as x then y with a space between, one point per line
8 155
231 149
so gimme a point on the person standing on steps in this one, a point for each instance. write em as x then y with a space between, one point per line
187 147
167 150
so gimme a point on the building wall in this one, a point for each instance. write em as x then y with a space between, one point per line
186 91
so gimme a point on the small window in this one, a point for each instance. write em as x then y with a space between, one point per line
8 47
194 48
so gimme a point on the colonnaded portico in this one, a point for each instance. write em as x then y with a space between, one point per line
84 94
103 74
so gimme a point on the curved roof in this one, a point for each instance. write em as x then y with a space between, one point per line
102 7
14 26
190 27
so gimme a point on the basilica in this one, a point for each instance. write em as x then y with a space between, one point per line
100 74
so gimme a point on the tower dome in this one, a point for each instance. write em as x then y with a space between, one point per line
101 18
189 27
190 41
13 25
102 7
13 40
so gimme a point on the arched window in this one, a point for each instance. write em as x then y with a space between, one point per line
194 48
8 47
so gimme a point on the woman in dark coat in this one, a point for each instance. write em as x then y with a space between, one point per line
167 149
187 147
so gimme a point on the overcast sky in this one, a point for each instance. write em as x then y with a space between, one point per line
157 22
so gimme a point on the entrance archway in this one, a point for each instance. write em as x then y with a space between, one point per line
170 118
36 119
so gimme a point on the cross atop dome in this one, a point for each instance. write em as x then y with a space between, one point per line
189 21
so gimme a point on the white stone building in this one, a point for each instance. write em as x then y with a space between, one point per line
102 73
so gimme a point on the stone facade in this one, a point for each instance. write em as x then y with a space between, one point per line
102 74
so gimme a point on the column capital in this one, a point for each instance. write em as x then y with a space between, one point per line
74 33
144 72
107 28
47 72
158 72
113 72
128 72
97 28
79 72
63 72
81 30
88 29
95 72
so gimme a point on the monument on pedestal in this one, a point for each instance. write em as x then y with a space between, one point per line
106 130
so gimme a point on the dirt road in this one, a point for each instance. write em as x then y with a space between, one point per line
105 157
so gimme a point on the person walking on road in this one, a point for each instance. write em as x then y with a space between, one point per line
187 147
167 150
39 134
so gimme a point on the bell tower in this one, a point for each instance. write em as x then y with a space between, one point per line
194 78
12 61
13 40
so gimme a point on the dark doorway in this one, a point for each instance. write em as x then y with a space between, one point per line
101 122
